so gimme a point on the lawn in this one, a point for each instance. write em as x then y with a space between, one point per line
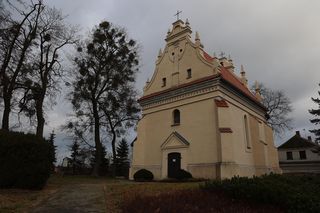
118 192
15 200
267 194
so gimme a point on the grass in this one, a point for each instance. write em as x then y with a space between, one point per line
15 200
191 201
122 195
118 191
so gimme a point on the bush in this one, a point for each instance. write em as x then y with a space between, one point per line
295 193
183 175
25 160
143 175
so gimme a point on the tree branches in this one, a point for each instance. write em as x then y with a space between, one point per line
279 107
102 93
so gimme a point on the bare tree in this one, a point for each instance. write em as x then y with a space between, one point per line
46 65
17 38
278 106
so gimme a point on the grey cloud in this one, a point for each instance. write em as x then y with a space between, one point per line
277 41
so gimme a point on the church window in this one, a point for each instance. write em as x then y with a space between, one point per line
189 73
246 132
172 53
180 50
289 156
164 82
176 117
303 155
262 136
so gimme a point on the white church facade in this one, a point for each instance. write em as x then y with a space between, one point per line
198 115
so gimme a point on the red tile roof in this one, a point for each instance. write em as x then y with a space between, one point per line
233 80
207 56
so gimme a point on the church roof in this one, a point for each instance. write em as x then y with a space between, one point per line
234 81
225 74
297 142
207 56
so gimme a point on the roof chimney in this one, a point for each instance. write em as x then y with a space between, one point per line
309 138
298 133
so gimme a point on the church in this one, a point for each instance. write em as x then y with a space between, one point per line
200 116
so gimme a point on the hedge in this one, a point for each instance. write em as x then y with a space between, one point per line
293 193
25 160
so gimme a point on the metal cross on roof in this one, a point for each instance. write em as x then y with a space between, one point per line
177 14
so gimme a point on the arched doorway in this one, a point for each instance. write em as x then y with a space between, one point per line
174 164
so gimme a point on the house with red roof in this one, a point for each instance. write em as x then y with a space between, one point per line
199 115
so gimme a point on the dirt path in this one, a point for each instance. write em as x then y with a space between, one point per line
74 198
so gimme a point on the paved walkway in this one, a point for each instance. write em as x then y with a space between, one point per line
75 198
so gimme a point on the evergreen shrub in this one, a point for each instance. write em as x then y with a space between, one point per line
183 175
294 193
143 175
25 160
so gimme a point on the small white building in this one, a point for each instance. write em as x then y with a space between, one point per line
66 162
299 155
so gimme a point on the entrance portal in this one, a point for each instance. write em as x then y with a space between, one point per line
174 164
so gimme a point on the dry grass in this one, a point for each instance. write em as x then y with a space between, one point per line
16 200
191 201
127 196
118 191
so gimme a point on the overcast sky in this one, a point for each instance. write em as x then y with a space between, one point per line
277 41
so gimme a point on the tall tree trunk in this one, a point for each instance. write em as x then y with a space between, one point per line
40 117
6 111
114 153
113 145
98 145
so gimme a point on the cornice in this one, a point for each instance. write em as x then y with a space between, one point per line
180 93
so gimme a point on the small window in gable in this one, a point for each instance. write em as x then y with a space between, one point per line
164 82
189 73
176 117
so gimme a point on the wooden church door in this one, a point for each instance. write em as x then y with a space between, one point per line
174 164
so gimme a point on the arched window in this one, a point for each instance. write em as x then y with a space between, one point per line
176 116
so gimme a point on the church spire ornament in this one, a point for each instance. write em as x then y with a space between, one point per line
177 14
243 78
187 22
160 53
257 90
197 40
